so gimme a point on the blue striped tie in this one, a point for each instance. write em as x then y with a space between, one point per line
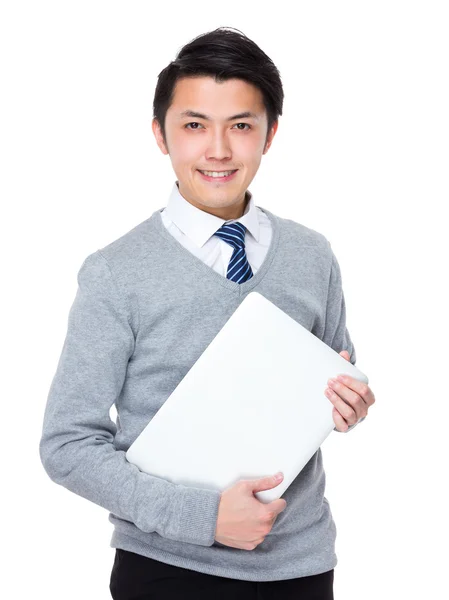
239 269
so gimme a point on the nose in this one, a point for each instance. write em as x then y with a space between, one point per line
218 148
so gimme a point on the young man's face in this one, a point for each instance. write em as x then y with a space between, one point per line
215 143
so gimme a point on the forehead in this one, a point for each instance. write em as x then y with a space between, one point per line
216 100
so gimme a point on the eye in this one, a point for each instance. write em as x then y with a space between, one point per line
196 123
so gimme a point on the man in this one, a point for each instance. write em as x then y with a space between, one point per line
147 306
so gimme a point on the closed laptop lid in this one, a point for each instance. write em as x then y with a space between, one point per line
251 405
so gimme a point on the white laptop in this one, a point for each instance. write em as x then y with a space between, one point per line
251 405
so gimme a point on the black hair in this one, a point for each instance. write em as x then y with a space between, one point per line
224 53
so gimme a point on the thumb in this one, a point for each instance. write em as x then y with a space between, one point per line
265 483
345 355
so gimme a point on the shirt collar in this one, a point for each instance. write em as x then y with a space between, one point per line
199 225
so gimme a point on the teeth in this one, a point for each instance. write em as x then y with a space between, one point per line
217 173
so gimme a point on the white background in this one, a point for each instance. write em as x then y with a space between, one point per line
361 155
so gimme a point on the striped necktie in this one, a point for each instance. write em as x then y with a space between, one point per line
239 269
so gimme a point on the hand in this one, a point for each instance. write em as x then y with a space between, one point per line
243 521
351 399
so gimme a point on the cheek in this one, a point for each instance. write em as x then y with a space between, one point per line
250 150
185 148
184 153
252 160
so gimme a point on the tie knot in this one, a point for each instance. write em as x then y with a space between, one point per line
233 234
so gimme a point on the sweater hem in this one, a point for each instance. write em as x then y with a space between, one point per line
124 542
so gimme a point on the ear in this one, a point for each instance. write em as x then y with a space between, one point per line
158 135
270 137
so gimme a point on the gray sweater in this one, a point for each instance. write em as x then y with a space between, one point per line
145 310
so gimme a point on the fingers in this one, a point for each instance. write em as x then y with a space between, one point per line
259 541
348 403
343 409
346 355
358 387
340 423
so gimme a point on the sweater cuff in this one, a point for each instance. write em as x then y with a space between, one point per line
198 516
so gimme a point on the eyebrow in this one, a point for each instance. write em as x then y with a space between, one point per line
197 115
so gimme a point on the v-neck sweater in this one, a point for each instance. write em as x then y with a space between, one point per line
144 311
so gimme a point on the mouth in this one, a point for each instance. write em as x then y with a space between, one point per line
218 176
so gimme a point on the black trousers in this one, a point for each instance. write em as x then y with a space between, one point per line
136 577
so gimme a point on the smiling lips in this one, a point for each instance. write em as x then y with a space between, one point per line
214 171
221 176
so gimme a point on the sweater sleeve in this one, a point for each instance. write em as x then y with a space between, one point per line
77 443
336 334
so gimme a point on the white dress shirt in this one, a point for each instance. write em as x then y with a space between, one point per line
195 229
